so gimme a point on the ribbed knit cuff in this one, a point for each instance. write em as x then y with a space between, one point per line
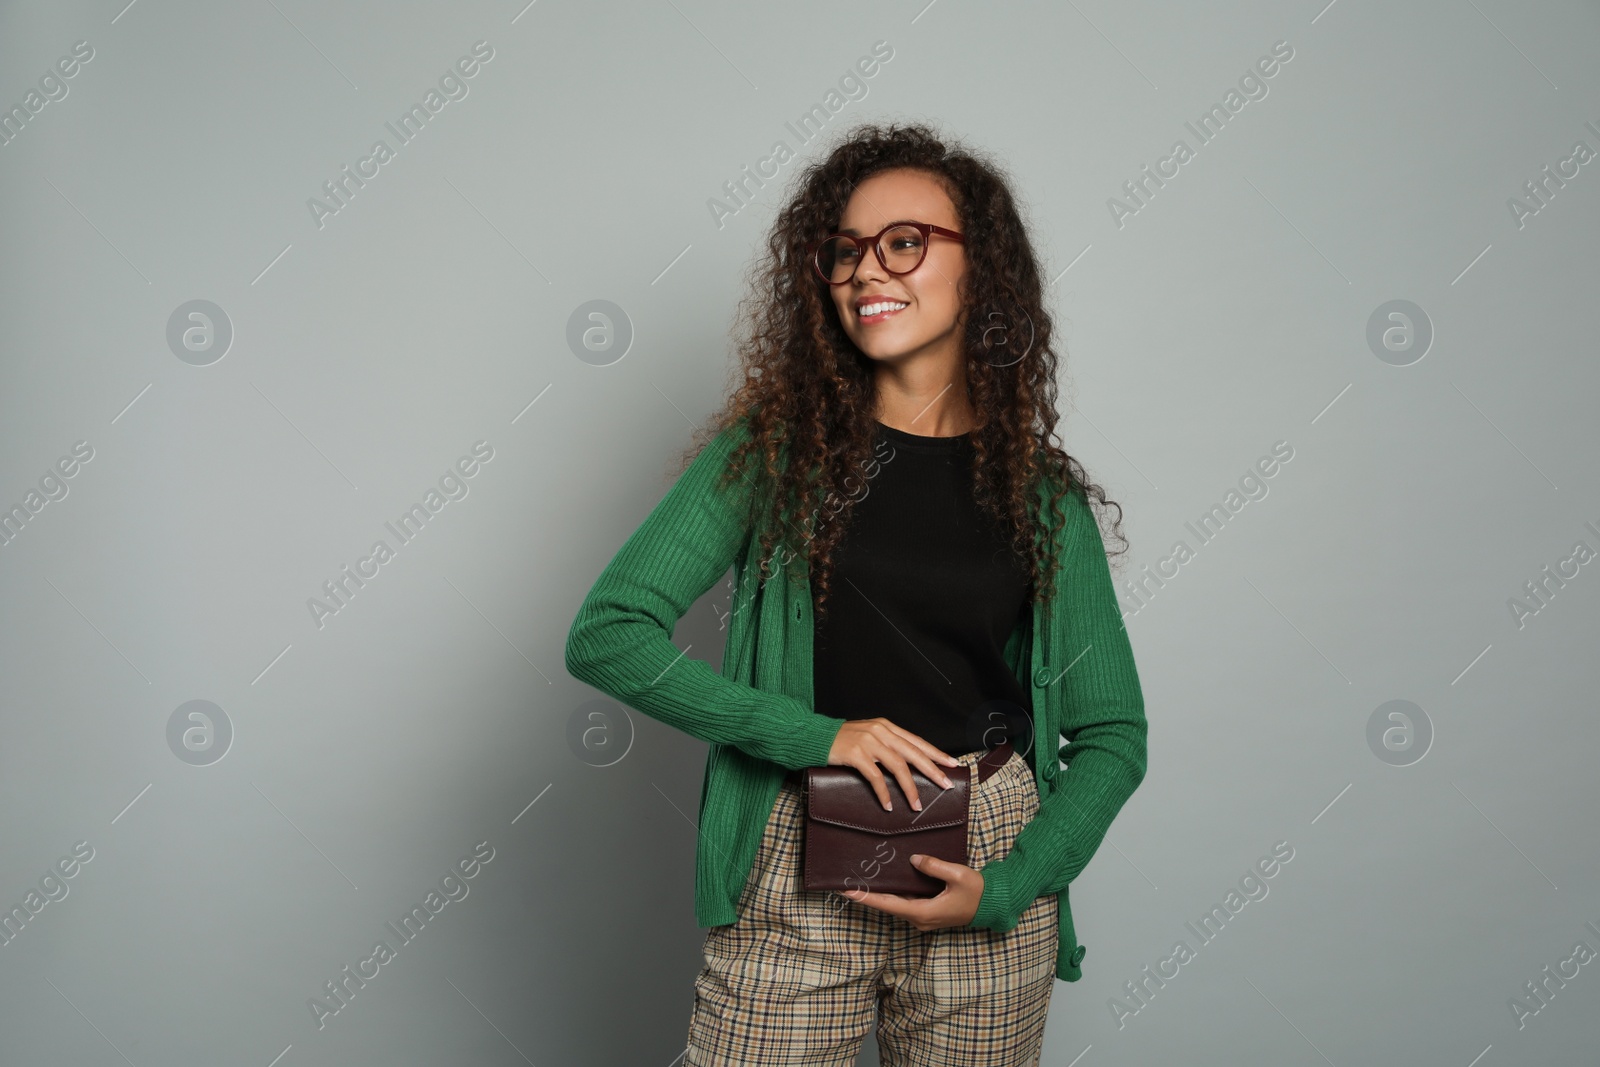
801 741
816 740
995 909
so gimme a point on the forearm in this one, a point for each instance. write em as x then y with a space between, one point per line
635 662
1073 819
620 640
1103 722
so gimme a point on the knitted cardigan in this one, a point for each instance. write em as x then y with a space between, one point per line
758 717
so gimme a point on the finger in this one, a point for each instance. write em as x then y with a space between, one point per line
920 744
902 774
936 753
928 758
934 772
889 902
875 779
934 867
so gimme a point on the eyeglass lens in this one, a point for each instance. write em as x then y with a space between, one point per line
902 249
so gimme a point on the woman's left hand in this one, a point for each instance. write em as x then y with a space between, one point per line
954 906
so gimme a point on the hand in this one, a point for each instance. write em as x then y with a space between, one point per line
955 905
864 743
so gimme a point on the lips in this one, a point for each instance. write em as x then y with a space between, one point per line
880 309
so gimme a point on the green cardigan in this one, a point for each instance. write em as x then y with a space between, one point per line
758 716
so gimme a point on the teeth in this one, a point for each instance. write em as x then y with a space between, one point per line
877 309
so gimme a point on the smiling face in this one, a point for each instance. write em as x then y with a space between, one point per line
930 322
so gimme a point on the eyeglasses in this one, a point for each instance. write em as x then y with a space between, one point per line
900 246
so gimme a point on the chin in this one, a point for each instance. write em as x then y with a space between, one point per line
876 346
882 356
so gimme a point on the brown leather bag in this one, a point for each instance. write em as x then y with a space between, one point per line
852 843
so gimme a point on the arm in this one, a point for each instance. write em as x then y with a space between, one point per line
620 641
1104 727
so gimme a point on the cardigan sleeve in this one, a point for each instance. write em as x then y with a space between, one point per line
620 641
1103 725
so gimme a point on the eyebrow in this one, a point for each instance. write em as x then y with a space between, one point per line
853 232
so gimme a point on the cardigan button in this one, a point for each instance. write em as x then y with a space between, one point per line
1077 955
1041 677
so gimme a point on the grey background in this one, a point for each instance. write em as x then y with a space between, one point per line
432 712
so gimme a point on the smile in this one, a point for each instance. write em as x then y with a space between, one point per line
870 313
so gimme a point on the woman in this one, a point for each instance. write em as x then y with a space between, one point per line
899 395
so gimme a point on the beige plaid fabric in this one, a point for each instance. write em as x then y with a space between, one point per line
794 980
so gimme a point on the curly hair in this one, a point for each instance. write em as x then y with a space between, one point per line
807 394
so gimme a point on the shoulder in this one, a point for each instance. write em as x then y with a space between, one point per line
716 449
1072 497
716 456
1071 521
708 480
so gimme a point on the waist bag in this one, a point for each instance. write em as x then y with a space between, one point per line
852 843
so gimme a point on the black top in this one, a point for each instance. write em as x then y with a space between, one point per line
924 592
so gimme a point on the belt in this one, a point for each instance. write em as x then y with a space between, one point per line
987 764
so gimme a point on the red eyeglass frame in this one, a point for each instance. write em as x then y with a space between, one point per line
927 229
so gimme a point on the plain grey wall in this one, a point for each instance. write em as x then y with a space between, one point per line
182 479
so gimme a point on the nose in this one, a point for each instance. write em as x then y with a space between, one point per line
868 268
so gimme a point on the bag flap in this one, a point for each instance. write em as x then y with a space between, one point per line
841 796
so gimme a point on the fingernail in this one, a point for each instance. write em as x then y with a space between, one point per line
948 784
916 805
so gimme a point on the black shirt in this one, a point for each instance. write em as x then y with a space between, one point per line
924 592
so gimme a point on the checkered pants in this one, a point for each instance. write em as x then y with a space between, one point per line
794 980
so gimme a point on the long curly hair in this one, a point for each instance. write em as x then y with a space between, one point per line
807 394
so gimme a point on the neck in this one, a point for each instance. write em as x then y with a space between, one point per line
942 413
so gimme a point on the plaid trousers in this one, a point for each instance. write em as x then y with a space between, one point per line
793 981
